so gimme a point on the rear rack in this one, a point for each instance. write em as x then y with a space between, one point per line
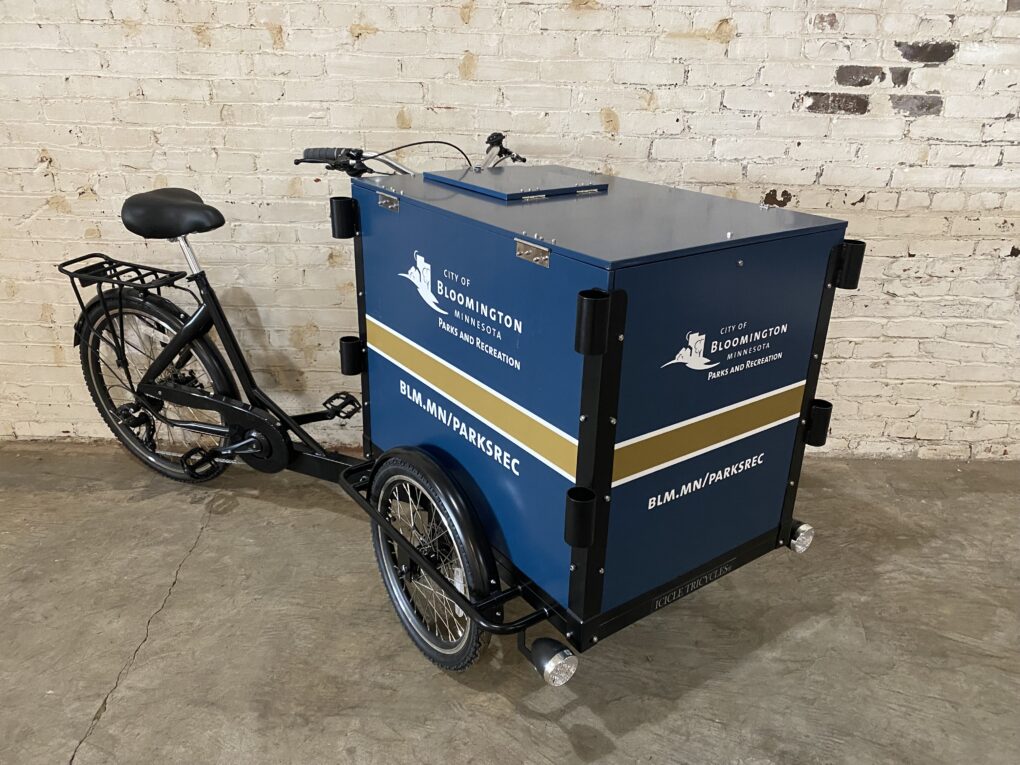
96 268
99 270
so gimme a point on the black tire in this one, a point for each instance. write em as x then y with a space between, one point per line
155 444
450 641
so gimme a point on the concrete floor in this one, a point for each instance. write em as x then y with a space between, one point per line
146 621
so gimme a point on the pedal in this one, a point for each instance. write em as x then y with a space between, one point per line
342 405
198 463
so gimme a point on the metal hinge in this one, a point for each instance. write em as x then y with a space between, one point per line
389 202
532 252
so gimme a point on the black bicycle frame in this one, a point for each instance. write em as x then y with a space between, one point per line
208 316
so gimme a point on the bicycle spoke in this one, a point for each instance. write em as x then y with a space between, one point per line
115 372
435 599
415 516
141 341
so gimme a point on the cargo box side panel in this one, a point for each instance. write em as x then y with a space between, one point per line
714 368
471 356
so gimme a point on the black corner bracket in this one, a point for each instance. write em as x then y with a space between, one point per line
343 212
819 415
851 259
579 522
591 335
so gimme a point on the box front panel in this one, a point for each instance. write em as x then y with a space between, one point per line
471 355
714 366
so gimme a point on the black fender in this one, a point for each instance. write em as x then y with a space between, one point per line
111 296
477 543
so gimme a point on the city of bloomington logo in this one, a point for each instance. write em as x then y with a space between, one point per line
734 341
420 275
452 289
693 354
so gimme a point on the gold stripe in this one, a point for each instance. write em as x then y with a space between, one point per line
687 439
533 435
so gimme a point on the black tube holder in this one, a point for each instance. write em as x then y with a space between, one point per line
851 260
352 354
591 336
343 214
817 431
579 521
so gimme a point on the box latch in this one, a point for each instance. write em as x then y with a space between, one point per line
533 253
389 202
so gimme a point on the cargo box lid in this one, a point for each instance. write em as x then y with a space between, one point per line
598 219
505 184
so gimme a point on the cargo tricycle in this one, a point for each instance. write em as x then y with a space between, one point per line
587 394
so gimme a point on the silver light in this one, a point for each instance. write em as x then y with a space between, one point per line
803 536
553 660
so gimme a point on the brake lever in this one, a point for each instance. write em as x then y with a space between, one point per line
355 169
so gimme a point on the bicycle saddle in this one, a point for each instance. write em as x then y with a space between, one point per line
168 214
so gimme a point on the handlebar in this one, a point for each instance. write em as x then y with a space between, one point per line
336 158
352 161
320 155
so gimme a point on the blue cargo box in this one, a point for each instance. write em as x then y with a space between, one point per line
685 416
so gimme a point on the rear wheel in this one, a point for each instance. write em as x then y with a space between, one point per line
419 510
146 325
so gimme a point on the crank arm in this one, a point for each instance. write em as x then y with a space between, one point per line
250 445
199 462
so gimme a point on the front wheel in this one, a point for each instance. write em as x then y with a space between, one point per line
421 511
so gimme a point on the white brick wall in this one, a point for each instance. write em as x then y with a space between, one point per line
840 104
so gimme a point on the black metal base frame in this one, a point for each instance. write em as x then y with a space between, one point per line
585 634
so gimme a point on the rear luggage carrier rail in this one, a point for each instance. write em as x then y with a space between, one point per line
97 268
111 277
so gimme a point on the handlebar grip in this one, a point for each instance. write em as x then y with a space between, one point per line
321 155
